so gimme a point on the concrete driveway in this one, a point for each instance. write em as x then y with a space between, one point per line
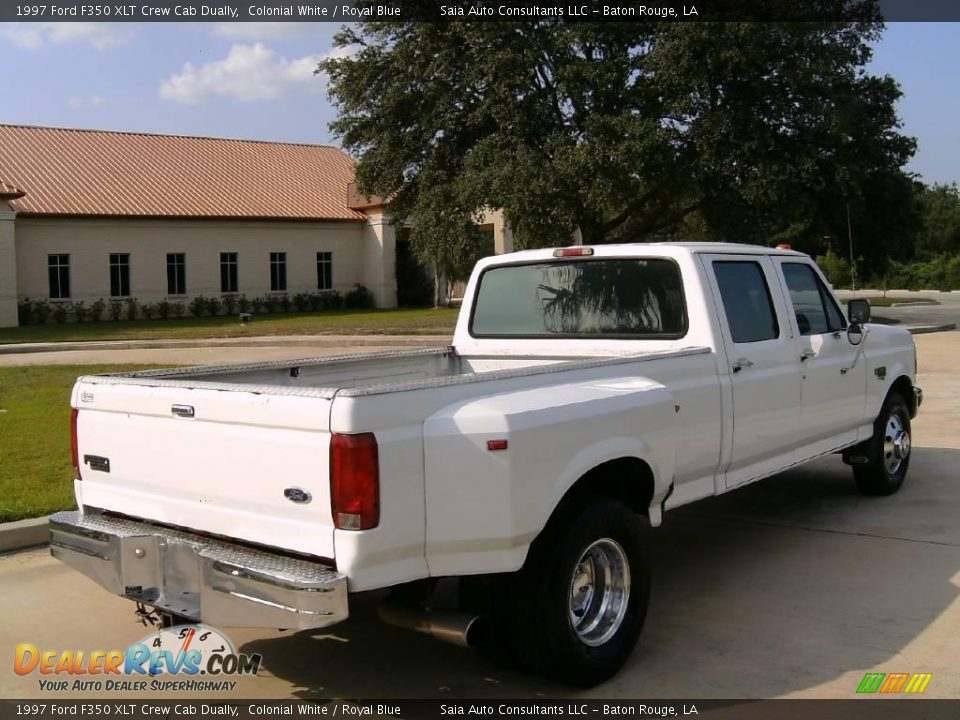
793 587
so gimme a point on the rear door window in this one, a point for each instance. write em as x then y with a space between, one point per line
746 301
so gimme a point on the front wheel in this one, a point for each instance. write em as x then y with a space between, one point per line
581 598
888 451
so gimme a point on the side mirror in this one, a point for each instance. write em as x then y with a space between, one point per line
858 311
855 333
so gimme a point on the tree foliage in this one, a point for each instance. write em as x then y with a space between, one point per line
755 132
940 231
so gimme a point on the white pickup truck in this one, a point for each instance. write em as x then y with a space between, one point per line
587 390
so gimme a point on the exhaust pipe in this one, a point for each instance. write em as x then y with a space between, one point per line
452 626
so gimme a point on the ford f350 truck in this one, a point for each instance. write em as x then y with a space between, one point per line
587 391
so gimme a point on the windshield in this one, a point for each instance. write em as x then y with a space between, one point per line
620 297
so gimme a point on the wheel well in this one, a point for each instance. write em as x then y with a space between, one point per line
627 479
904 386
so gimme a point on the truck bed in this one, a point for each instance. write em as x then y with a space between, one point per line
366 373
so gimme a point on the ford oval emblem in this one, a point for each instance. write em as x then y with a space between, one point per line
297 495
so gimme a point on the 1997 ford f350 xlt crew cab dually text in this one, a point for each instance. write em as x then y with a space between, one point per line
587 391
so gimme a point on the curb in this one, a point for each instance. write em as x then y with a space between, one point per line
260 341
22 534
925 329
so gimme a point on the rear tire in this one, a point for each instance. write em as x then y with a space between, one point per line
577 606
888 450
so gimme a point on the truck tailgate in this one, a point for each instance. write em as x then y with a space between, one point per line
246 465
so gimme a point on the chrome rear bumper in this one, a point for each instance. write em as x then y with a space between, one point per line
200 578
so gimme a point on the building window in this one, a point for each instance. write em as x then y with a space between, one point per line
278 271
119 274
228 272
324 271
58 269
176 274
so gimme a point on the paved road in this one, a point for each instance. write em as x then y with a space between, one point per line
948 310
794 587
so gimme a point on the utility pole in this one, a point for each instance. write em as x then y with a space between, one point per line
853 267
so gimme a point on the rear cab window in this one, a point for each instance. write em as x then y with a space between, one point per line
630 298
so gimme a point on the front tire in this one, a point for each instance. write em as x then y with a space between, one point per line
888 450
579 602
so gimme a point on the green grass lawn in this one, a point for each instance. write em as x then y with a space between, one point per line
36 474
420 321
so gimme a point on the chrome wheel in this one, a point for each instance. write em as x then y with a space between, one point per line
896 444
599 592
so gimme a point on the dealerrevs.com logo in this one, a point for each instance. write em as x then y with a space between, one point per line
186 652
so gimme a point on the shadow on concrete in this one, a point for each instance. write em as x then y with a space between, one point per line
779 587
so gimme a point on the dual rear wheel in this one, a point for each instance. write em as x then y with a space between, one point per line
576 608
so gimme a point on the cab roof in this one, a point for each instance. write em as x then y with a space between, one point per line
719 248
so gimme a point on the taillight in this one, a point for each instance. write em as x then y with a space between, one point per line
355 481
74 445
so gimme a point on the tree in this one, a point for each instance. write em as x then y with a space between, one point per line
743 131
940 209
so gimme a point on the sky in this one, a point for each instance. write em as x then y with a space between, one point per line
256 81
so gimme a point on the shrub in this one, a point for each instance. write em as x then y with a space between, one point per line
116 310
270 303
938 274
97 309
230 303
243 304
285 303
133 308
256 304
148 310
953 273
301 301
61 311
41 311
213 306
330 300
836 268
80 311
24 311
359 298
197 306
176 309
163 309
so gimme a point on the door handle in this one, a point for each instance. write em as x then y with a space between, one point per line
185 411
806 355
742 363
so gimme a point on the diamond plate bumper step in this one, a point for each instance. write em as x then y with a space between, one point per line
200 578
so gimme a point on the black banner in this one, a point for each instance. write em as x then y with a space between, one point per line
339 11
859 709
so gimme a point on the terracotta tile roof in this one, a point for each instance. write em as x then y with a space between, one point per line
95 172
